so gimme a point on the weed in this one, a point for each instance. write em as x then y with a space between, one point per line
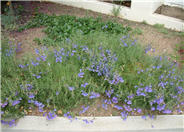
144 22
137 31
116 11
161 28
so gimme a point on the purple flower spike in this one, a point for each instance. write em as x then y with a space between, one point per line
115 100
167 111
94 95
84 110
51 116
118 107
31 96
15 102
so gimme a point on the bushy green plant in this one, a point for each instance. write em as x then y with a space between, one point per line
58 28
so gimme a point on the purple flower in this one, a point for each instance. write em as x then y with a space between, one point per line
125 44
160 100
43 57
84 85
124 115
81 74
34 63
84 110
160 108
29 86
4 104
84 94
30 101
144 117
94 95
59 59
118 107
104 106
152 108
84 48
139 110
71 88
15 102
38 59
148 89
31 96
129 102
115 100
109 92
128 108
167 111
38 76
51 116
57 93
21 66
87 122
37 51
152 116
2 112
40 109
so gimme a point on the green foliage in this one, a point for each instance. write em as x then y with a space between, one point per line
116 10
58 28
8 20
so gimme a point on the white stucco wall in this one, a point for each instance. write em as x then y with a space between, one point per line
179 3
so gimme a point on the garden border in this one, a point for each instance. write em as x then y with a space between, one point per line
146 11
108 124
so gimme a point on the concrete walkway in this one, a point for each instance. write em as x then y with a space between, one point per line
164 123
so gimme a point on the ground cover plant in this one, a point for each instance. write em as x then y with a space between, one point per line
58 28
76 68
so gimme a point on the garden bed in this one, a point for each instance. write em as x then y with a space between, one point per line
87 67
175 12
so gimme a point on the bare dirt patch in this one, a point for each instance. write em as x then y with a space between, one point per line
26 39
96 109
175 12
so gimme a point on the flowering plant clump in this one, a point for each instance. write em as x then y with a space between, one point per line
84 68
